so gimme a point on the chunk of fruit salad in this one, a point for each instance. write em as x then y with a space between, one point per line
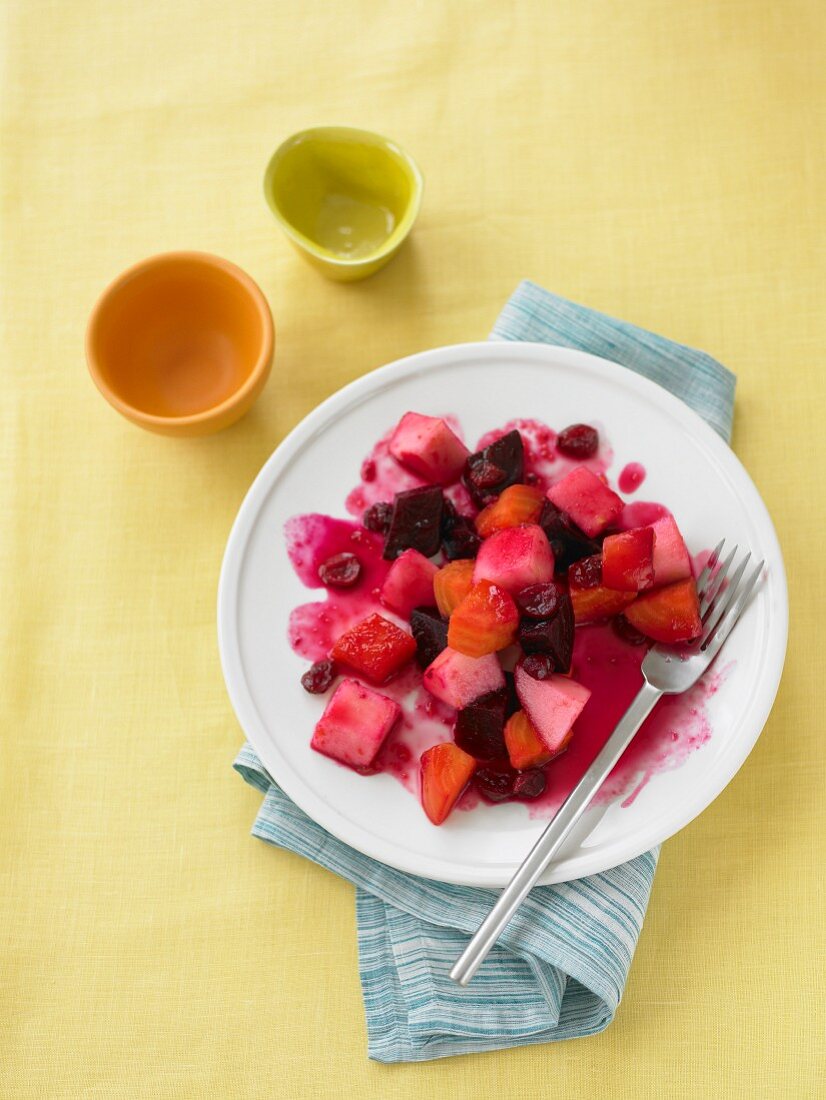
590 503
429 447
375 647
354 724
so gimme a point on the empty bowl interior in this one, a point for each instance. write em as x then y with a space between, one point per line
345 196
179 338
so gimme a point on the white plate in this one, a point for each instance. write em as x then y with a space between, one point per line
690 470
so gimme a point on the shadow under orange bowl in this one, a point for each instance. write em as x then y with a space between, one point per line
181 343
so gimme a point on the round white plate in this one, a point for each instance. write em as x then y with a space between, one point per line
690 470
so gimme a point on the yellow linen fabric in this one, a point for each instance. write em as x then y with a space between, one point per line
662 162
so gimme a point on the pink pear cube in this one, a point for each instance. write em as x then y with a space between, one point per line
587 500
515 557
552 705
354 724
671 558
409 583
429 447
457 680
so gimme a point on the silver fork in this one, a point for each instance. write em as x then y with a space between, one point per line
666 672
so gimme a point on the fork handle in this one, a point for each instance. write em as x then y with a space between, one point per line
553 836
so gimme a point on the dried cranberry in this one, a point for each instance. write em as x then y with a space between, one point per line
538 665
586 573
495 785
578 441
530 784
628 632
487 475
340 571
377 517
540 601
318 677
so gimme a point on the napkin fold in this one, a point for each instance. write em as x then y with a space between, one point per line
559 970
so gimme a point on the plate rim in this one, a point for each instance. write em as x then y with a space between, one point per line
350 395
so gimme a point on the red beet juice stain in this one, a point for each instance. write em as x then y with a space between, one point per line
631 477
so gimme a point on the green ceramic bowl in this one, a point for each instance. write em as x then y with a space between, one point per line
346 198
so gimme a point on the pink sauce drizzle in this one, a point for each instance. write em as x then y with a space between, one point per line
605 663
314 627
631 477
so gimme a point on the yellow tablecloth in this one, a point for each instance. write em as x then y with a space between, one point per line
663 162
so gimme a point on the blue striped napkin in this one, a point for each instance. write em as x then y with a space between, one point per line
560 968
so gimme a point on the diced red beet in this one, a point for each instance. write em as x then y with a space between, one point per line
578 441
484 622
587 500
457 680
409 583
670 614
445 772
540 601
377 517
340 571
494 468
430 633
375 647
530 784
429 447
515 558
553 636
415 523
495 784
479 728
628 560
319 677
552 705
568 543
525 747
354 724
671 558
459 536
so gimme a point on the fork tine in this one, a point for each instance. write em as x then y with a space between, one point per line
715 640
715 585
711 565
718 609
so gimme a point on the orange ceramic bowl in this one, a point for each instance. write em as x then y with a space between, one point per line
181 343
